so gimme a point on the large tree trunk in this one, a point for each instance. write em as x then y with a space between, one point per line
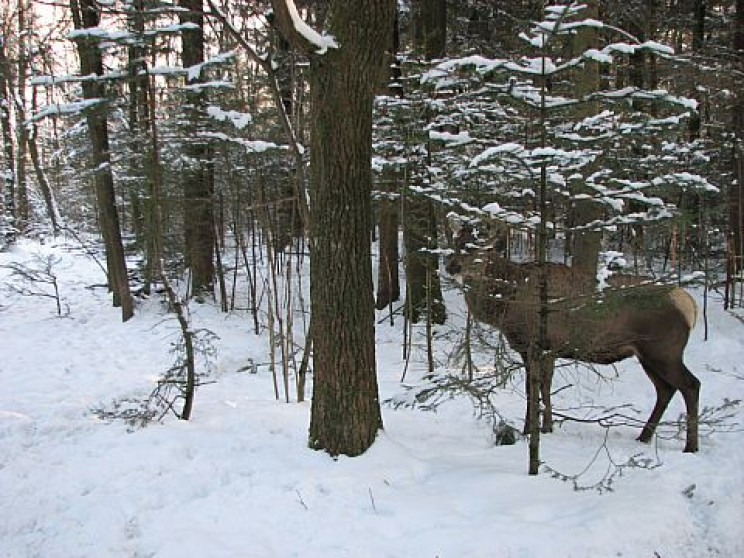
85 15
345 415
345 407
198 183
423 286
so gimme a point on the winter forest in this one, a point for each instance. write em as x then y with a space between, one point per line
413 278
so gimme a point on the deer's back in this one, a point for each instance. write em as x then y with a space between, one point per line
594 327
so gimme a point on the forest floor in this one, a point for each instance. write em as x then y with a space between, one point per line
238 480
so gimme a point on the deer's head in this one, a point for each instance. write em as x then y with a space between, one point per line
468 248
464 246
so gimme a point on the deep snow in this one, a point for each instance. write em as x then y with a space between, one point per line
239 480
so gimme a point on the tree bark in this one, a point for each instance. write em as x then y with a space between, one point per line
41 177
86 15
7 216
736 189
345 413
698 42
198 183
21 132
430 27
388 277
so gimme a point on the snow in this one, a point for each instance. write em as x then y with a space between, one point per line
67 108
452 140
238 480
323 42
694 181
100 33
251 146
58 80
536 66
215 84
194 72
511 148
238 119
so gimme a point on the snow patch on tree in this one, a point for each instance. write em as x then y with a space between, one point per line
323 42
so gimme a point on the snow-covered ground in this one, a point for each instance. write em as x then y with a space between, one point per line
239 481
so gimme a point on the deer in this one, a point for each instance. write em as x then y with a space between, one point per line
650 321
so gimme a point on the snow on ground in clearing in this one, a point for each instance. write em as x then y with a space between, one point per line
239 481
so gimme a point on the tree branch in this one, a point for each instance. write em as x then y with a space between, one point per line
265 63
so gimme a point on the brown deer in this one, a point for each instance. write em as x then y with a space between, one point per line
652 322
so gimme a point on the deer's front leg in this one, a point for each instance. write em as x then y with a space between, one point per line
546 382
526 361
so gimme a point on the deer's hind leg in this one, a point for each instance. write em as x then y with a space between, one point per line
690 388
668 377
664 393
679 377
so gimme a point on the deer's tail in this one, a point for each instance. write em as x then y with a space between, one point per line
684 302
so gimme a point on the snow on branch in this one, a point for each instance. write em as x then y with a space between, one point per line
643 217
541 65
656 95
216 84
193 72
68 108
293 27
100 34
251 146
238 119
451 140
686 180
119 36
72 78
323 42
532 156
489 211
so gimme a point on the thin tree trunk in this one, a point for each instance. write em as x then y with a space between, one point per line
85 15
198 183
9 182
586 244
420 230
21 131
388 277
736 190
698 41
41 177
140 187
